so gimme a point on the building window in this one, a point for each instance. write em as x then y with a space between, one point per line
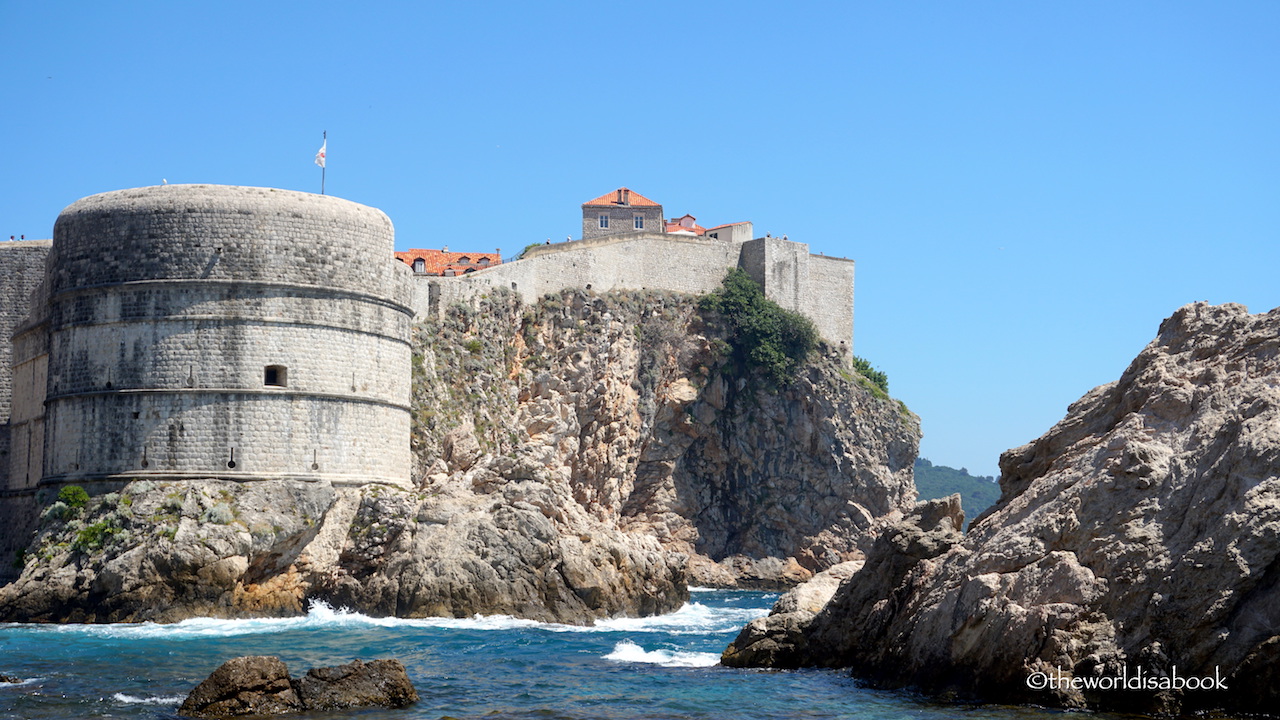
464 260
483 261
639 222
419 265
275 376
604 222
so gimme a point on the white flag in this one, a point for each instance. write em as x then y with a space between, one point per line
320 155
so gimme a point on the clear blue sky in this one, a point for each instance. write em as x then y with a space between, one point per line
1028 188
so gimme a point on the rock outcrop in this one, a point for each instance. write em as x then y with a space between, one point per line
1138 538
581 458
628 399
250 685
260 686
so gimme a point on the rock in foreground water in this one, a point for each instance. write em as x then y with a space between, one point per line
260 685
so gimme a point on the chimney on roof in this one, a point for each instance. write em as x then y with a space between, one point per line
624 196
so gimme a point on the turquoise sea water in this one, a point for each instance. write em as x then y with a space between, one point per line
493 668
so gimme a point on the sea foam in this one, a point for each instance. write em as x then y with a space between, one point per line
629 652
135 700
692 619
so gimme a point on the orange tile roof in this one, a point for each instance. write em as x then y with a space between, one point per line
611 199
438 262
676 225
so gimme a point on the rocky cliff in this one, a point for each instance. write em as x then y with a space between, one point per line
583 457
1139 535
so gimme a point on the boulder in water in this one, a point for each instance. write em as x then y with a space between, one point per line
260 685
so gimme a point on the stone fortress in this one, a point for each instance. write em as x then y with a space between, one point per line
625 244
197 331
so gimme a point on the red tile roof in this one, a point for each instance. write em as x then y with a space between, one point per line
678 225
439 262
635 199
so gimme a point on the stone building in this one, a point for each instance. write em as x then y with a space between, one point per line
620 211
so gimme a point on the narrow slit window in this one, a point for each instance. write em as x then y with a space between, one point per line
275 376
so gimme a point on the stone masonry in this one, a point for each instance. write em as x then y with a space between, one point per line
819 286
22 269
226 332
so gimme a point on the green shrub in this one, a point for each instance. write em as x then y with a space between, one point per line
526 249
473 346
761 333
877 377
93 537
73 496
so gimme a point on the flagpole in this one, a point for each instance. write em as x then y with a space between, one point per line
325 167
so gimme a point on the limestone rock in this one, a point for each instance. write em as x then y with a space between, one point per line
168 551
261 686
382 683
626 400
1142 532
792 634
251 685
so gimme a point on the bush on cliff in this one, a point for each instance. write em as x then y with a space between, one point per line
73 496
874 376
761 333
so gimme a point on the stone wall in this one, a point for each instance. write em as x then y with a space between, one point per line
22 268
26 423
818 286
830 300
241 333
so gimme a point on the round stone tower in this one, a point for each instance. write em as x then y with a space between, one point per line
203 331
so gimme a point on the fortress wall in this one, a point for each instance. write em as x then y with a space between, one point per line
818 286
169 304
220 433
30 376
830 300
781 267
223 233
22 269
670 262
162 335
